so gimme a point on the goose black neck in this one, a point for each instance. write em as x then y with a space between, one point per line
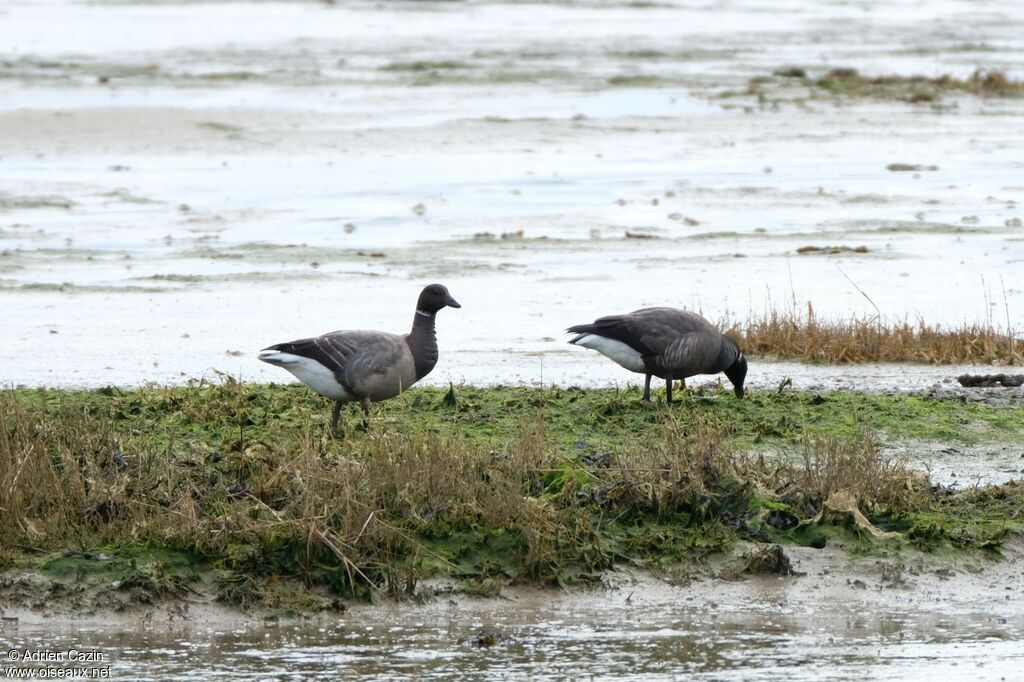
423 343
736 369
727 354
422 321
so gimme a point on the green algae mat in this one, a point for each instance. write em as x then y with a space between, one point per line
241 492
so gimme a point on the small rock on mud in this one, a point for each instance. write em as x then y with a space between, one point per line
485 639
764 560
990 380
790 72
909 167
804 250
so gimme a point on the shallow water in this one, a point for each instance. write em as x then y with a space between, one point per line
184 183
764 629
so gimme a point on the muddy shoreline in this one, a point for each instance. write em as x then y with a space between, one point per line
910 605
938 583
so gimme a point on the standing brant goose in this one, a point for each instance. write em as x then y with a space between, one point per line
367 366
664 342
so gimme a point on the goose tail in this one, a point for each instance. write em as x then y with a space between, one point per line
273 356
581 331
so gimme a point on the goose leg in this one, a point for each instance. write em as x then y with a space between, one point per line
366 413
335 413
668 391
647 388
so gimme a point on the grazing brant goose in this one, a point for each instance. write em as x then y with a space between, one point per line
664 342
367 366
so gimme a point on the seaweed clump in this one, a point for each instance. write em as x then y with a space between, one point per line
915 89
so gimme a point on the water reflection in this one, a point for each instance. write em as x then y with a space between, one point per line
613 642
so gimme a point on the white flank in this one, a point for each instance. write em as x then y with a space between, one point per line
309 372
616 350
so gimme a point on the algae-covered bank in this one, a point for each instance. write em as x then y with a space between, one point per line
239 494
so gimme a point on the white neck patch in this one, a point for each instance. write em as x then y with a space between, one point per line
424 313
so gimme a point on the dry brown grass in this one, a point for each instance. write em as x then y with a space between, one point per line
916 89
830 465
980 82
689 463
801 334
684 464
68 481
212 474
992 82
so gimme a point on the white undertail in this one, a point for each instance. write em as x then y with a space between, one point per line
617 351
309 372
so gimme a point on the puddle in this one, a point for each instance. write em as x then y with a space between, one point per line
960 466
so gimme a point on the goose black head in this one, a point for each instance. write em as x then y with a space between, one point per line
433 298
737 372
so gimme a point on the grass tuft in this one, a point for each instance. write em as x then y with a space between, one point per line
159 490
802 334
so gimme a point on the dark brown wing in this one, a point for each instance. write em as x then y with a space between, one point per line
352 356
649 331
685 344
622 328
672 342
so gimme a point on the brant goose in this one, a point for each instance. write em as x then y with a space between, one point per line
664 342
367 366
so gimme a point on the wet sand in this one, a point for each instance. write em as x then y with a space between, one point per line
172 203
912 616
